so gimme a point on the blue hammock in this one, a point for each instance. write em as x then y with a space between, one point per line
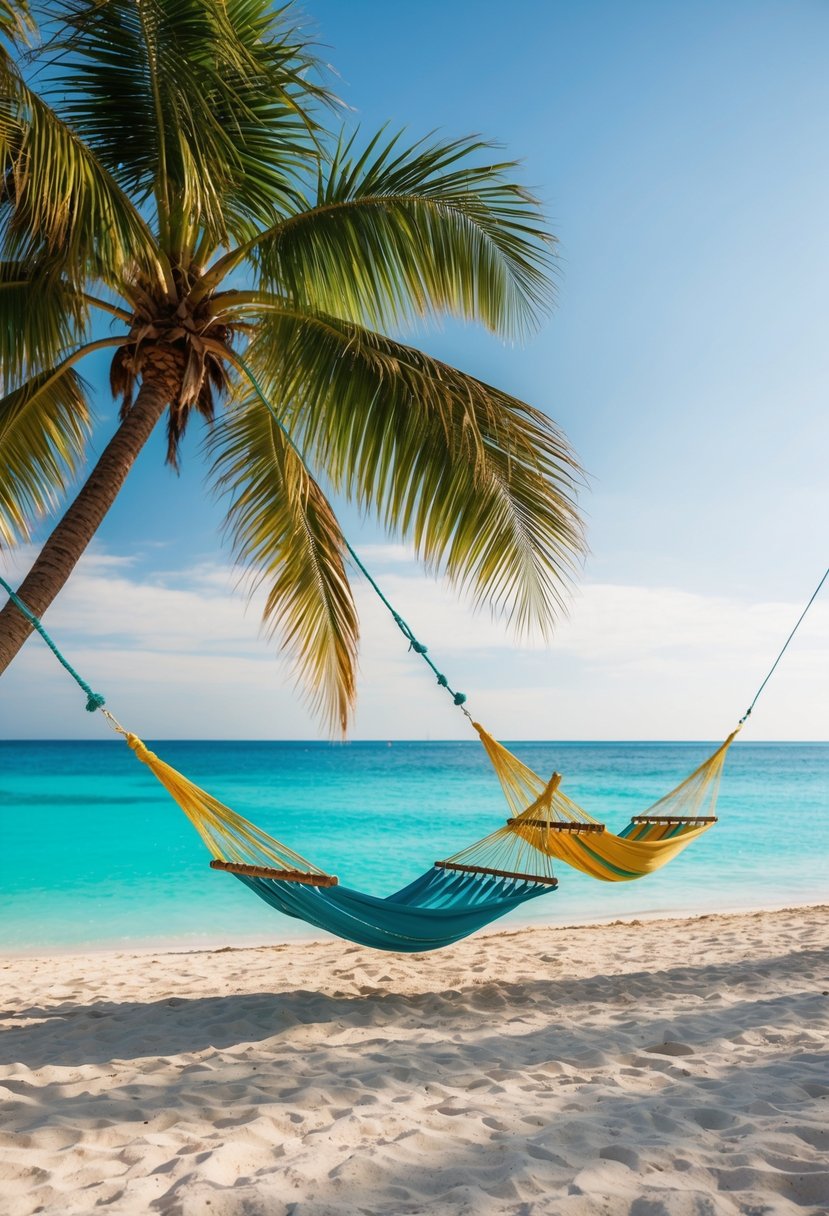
435 910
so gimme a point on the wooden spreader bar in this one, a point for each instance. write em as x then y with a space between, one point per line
310 880
557 825
673 819
469 869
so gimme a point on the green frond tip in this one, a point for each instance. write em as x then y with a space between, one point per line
44 430
285 532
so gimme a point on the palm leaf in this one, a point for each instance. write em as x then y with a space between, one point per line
284 530
58 201
16 22
41 317
396 232
266 105
482 483
127 80
44 428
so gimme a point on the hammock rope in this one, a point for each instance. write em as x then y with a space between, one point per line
94 700
812 599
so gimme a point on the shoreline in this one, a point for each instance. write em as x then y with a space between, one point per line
161 946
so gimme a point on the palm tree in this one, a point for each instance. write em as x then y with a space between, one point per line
165 171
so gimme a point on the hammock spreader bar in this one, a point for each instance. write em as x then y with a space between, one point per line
674 819
470 869
238 867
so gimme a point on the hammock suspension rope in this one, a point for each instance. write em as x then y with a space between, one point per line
785 647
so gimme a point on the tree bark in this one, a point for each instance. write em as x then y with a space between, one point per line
67 543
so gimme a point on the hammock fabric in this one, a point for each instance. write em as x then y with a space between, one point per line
433 911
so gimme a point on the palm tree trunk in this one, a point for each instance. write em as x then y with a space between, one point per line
67 543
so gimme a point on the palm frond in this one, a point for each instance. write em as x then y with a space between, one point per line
41 317
284 529
44 429
56 198
16 21
270 93
483 484
203 105
399 231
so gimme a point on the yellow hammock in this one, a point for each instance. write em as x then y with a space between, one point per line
552 824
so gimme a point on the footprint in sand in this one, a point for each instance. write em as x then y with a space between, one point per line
711 1118
670 1049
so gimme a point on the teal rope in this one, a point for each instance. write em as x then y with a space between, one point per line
94 700
418 647
406 630
815 593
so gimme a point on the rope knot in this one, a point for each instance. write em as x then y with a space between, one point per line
140 748
460 697
95 700
418 647
442 680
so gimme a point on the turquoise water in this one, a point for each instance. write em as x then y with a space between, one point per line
95 853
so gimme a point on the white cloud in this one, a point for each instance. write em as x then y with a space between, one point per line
181 655
386 555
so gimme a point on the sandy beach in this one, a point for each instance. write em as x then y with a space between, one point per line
668 1067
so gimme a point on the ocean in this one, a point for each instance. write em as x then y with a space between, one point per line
96 855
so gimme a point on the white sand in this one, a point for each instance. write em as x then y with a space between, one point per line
674 1067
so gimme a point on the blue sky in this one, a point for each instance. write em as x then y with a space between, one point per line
681 151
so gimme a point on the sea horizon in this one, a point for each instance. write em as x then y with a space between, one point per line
383 740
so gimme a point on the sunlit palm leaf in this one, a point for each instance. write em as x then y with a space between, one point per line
266 106
129 81
285 531
44 428
396 231
41 317
482 483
